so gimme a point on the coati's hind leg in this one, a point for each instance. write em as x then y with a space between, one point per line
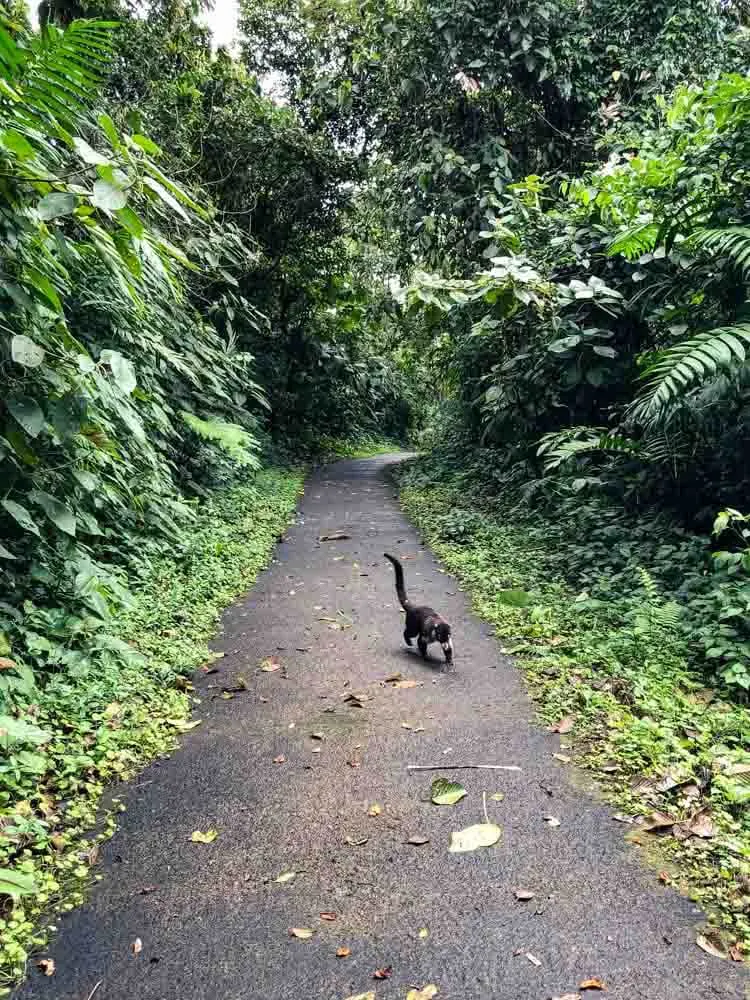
407 637
422 647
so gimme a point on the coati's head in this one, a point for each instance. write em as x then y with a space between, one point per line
443 636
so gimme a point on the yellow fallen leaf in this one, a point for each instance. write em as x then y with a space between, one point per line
303 933
375 809
423 933
473 837
370 995
343 952
426 993
270 664
286 877
208 837
184 726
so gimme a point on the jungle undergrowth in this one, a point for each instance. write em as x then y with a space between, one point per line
107 723
620 671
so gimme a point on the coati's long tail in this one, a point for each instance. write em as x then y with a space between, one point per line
404 600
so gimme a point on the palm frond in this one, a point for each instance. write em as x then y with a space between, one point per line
561 446
732 243
635 241
683 366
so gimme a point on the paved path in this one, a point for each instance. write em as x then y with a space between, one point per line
216 927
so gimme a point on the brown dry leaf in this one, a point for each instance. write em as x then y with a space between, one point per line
735 953
426 993
137 946
147 889
665 877
317 736
710 949
270 664
303 933
334 536
375 809
563 725
406 684
657 820
355 700
562 757
568 996
392 678
533 959
327 915
281 759
418 840
407 725
385 973
352 842
47 966
6 664
343 952
523 894
702 825
592 984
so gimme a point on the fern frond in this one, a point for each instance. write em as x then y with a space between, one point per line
561 446
732 243
685 365
635 242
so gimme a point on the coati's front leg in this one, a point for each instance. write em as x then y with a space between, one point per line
407 637
422 647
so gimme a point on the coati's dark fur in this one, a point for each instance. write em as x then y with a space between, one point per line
422 623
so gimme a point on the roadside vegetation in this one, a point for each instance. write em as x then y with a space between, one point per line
512 236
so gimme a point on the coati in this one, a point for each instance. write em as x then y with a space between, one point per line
422 623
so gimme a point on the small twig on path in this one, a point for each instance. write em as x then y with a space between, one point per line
462 767
95 989
484 806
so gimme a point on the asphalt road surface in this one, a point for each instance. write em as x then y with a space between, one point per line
215 924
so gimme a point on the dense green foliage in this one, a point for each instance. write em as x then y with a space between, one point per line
518 232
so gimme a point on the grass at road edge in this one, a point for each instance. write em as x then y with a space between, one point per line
641 719
106 728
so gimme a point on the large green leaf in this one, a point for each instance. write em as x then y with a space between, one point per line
108 196
25 352
16 883
122 370
28 413
14 731
59 513
56 204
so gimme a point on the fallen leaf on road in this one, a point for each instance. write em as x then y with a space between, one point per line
446 793
183 726
552 820
363 996
533 959
426 993
735 953
375 809
523 894
137 946
406 684
710 949
355 700
383 973
327 915
47 966
303 933
658 821
352 842
418 840
592 984
424 933
147 889
317 736
702 825
568 996
280 759
473 837
665 877
286 877
563 725
208 837
497 797
562 757
622 818
343 952
270 664
334 536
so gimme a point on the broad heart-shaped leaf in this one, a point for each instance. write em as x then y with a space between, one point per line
87 154
514 598
108 196
14 730
56 204
446 793
21 516
15 883
60 514
122 370
28 413
6 553
473 837
25 352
